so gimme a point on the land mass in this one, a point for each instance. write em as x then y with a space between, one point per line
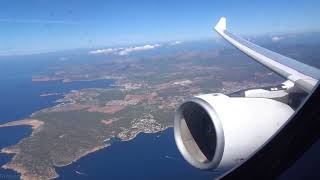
143 99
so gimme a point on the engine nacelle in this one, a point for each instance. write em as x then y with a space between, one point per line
214 131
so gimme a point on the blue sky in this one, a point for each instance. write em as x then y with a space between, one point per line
31 26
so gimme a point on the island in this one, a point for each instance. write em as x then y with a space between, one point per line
143 99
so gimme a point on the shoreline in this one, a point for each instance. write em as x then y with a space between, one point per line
34 123
131 138
67 80
36 126
84 154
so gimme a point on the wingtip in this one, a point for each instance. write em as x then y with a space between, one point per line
221 25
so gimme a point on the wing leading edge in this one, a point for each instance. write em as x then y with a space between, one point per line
303 76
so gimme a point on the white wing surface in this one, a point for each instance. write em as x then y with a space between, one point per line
303 76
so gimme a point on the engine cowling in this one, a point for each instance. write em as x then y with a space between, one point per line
214 131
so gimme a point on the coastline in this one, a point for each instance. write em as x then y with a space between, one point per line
136 134
137 160
36 127
84 154
24 173
34 123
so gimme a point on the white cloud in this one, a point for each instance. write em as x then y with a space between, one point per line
176 42
276 38
102 51
124 51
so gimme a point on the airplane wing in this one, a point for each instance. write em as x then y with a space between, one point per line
220 132
303 76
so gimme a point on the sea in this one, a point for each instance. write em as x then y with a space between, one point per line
148 156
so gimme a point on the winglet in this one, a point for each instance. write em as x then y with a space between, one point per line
221 25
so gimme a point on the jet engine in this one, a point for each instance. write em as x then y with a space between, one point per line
215 131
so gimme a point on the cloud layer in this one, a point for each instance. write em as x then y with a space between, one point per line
124 51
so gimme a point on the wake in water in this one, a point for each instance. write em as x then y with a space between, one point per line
80 173
170 157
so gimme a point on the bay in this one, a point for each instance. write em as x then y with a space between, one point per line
148 156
